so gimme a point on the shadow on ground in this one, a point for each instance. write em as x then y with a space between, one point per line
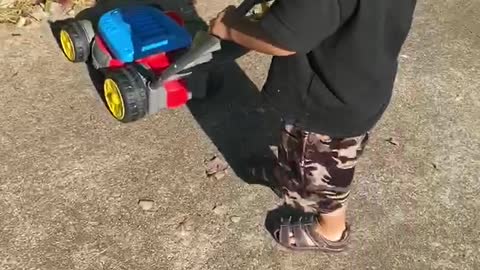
234 117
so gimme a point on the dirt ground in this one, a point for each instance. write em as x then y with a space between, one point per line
71 176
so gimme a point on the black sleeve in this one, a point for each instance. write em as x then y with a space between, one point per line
300 25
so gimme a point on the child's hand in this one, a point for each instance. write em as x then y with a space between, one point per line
220 26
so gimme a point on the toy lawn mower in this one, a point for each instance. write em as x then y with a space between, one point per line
146 56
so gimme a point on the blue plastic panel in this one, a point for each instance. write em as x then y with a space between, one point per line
136 32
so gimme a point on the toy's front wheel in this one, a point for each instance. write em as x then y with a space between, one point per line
75 37
125 94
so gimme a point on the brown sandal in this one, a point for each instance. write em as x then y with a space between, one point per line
299 236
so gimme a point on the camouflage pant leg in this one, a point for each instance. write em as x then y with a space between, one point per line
315 171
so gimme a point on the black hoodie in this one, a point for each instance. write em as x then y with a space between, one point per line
340 80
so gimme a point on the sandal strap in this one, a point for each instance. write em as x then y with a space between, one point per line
302 234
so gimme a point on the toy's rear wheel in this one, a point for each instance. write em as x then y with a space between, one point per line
125 94
75 37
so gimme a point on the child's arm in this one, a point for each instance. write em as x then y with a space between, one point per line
289 27
244 32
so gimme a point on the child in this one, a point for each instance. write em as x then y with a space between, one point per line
331 78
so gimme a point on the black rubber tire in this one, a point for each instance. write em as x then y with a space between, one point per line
80 40
133 91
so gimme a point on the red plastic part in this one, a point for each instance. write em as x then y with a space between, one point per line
157 63
177 93
176 17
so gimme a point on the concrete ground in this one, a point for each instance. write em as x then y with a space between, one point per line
71 177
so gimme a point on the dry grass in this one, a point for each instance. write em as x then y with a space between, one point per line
84 3
24 8
20 8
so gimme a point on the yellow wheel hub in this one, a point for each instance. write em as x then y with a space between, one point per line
114 99
67 45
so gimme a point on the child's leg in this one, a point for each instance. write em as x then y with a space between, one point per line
315 173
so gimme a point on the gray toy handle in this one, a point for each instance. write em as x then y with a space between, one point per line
181 63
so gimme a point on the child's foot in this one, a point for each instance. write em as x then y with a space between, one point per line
303 235
335 235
